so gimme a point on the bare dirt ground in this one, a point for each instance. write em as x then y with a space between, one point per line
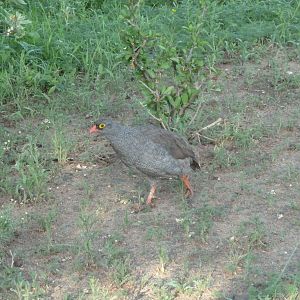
241 226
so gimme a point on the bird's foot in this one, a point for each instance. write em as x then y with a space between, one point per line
189 193
149 202
186 182
151 195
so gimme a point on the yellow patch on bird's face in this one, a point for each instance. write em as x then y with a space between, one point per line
101 126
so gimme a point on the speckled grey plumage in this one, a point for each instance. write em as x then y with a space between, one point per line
153 151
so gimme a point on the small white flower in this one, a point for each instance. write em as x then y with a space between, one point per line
46 121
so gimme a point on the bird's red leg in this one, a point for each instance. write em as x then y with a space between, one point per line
151 194
187 184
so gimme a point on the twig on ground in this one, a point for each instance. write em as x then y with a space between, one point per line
157 119
195 115
218 121
154 93
137 52
286 264
198 135
12 259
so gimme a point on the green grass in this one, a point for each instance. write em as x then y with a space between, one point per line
7 228
117 260
250 236
45 53
61 146
46 222
277 288
197 223
86 253
31 184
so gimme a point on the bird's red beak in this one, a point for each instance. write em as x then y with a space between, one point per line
93 129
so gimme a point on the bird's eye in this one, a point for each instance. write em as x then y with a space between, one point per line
101 126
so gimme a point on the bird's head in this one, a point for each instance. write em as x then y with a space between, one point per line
101 125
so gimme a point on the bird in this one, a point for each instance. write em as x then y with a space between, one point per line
153 151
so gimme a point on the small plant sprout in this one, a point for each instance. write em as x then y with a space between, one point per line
163 259
61 146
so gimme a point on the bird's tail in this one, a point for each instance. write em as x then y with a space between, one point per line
195 164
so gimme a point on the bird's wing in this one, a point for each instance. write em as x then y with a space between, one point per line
178 147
